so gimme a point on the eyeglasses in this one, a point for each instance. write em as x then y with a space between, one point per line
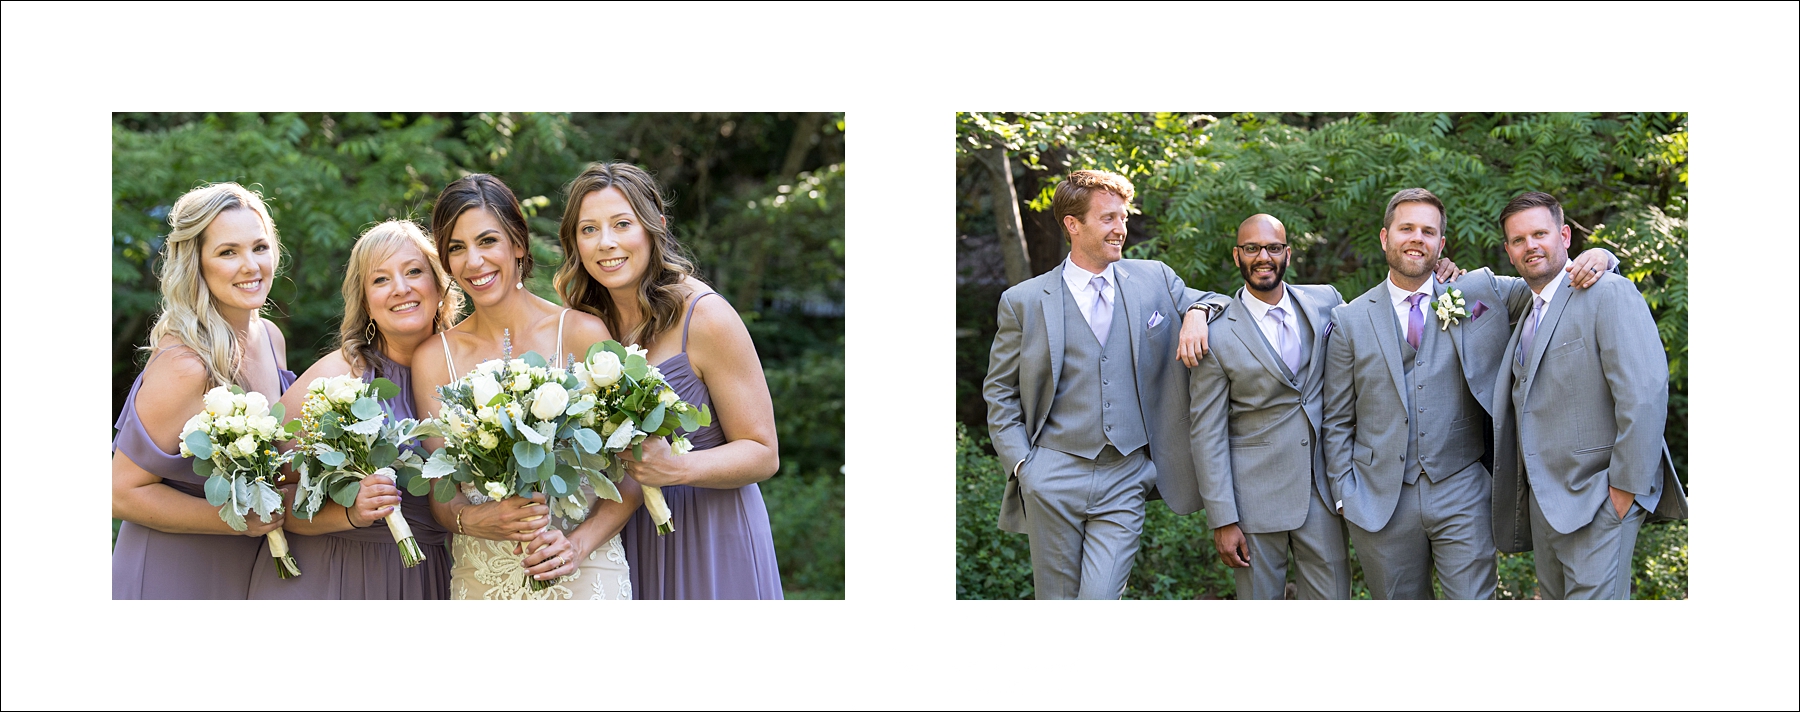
1275 250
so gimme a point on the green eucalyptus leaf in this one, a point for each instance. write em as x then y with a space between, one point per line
654 419
705 416
689 421
332 458
506 423
344 493
528 454
444 490
365 408
588 440
534 360
558 486
199 444
292 427
419 486
385 389
218 490
203 468
382 455
278 411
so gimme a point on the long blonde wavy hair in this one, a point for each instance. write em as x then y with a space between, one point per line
376 245
660 291
188 312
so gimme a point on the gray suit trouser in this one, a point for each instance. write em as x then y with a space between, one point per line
1084 518
1446 524
1321 564
1591 563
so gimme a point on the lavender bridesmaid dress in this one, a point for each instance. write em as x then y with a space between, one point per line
721 547
363 564
147 563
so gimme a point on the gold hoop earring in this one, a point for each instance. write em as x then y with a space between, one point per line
369 333
520 266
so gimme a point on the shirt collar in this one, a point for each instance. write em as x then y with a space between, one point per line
1550 289
1078 278
1258 307
1399 294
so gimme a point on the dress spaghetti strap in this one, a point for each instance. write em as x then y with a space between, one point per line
690 319
559 348
270 340
448 362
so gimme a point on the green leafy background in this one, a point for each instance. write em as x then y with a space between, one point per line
758 198
1622 179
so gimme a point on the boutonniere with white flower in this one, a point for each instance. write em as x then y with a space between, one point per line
1449 307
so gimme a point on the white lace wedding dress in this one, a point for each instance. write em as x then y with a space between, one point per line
487 569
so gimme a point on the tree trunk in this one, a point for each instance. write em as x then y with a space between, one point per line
1005 200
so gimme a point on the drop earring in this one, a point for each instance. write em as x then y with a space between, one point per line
369 333
520 266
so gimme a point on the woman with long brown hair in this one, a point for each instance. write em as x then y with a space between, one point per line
625 267
483 243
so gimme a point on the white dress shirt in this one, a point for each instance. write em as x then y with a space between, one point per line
1259 310
1081 284
1548 294
1403 311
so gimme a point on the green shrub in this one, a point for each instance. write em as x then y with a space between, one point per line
990 563
806 515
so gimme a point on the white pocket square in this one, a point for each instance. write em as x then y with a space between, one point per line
1155 318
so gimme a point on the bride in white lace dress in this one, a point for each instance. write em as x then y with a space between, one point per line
481 238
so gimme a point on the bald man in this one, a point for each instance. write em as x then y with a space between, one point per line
1255 409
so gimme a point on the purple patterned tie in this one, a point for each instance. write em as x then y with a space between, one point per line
1101 317
1531 325
1285 342
1415 321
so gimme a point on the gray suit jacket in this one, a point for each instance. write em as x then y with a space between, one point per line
1596 396
1255 430
1027 358
1365 418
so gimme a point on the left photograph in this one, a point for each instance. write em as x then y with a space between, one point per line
484 355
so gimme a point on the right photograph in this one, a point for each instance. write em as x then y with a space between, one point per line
1334 355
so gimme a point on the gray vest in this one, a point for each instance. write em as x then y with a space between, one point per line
1096 394
1445 432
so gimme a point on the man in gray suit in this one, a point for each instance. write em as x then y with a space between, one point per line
1579 452
1086 402
1255 432
1408 382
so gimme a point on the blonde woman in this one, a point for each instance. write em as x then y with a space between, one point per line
631 273
483 243
396 296
219 261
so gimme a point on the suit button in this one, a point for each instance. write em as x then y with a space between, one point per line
1421 386
1109 428
1302 443
1109 405
1102 359
1105 382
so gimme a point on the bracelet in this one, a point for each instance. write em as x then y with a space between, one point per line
459 528
348 519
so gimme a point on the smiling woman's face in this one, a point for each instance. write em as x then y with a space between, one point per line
237 260
615 246
482 259
402 293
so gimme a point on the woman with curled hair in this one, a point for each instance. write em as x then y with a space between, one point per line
632 274
396 296
484 245
219 260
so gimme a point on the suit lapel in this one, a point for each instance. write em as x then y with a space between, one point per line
1053 323
1315 358
1455 331
1244 327
1381 315
1128 299
1540 339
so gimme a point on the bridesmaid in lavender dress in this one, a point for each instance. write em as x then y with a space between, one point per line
221 255
395 297
633 275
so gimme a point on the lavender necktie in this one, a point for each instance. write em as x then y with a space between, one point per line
1415 321
1285 341
1100 317
1531 325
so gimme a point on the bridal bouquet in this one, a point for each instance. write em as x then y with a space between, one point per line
512 427
637 404
345 436
232 442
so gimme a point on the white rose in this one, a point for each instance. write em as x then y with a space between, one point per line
264 426
546 429
607 428
218 401
231 423
485 388
582 380
487 439
245 447
317 385
496 490
667 396
633 349
521 383
344 389
255 404
681 446
551 400
604 369
557 374
201 421
654 375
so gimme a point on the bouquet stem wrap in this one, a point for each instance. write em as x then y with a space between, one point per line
410 553
285 566
658 509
